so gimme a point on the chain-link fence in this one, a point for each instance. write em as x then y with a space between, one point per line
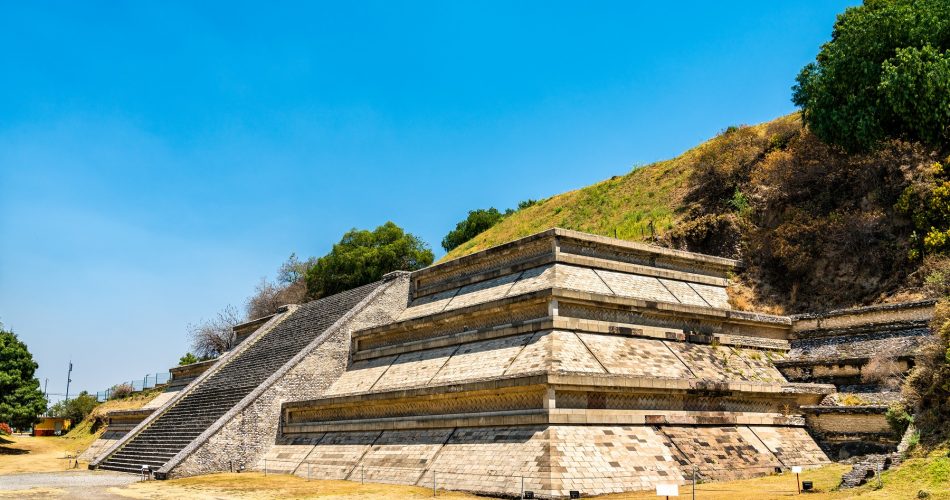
149 381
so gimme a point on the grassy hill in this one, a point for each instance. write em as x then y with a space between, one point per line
622 206
790 206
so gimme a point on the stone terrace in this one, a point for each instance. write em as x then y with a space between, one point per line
569 360
838 347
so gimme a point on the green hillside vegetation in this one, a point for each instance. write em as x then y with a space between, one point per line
644 204
792 207
90 428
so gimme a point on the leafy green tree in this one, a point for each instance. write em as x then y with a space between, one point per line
76 408
476 222
885 73
363 256
190 358
21 400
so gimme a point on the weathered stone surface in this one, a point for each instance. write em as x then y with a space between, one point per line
559 362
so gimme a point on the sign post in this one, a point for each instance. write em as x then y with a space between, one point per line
667 490
797 469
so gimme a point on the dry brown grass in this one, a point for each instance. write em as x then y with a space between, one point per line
624 205
929 474
19 453
258 486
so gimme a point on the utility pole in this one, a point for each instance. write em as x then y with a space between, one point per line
46 394
68 379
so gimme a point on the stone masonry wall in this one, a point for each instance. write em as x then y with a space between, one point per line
246 435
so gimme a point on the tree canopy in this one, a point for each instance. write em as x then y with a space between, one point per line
76 408
885 73
364 256
212 338
477 221
21 400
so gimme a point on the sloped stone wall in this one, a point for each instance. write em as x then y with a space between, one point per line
550 460
246 433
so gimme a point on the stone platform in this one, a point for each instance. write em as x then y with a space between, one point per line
569 361
562 361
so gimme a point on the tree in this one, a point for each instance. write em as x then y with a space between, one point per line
885 73
76 409
293 270
21 400
290 288
363 256
477 221
214 337
189 359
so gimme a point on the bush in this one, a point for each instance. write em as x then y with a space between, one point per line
362 257
120 391
477 221
926 201
76 409
927 388
5 429
885 73
190 358
883 369
898 418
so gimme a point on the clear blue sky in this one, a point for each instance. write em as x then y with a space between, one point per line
157 159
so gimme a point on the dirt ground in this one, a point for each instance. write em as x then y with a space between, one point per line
257 486
20 455
23 453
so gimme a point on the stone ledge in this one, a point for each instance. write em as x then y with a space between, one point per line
535 248
555 416
844 410
871 318
774 327
571 380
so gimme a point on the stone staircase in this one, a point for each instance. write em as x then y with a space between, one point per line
203 405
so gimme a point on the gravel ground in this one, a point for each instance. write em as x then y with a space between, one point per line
76 484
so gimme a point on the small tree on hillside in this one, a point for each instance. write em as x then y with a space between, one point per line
885 73
362 257
477 221
214 337
290 288
21 400
76 409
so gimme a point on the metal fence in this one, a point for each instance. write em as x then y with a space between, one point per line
149 381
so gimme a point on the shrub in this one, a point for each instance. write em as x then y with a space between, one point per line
120 391
926 201
5 429
898 418
884 369
885 73
927 388
190 358
477 221
852 400
362 257
76 409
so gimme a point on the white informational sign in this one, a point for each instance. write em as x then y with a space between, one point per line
667 490
796 469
